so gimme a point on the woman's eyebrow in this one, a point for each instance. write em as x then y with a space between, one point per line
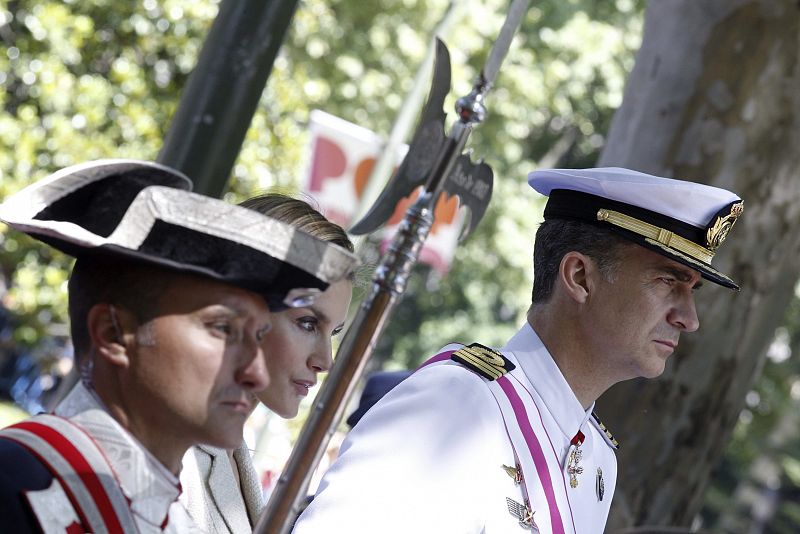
321 315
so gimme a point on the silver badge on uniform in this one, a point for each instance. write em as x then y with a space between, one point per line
601 486
523 513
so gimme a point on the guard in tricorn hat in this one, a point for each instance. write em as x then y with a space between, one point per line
483 440
169 299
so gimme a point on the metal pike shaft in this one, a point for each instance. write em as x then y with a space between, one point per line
389 283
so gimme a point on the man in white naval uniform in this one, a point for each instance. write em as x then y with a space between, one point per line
169 300
492 441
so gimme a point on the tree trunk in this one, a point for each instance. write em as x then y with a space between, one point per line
714 97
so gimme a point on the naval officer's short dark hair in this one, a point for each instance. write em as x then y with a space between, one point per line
556 237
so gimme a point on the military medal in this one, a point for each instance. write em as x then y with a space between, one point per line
514 472
601 486
573 463
523 513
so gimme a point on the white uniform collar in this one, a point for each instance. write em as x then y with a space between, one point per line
545 376
145 481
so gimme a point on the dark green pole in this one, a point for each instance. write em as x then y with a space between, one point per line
222 93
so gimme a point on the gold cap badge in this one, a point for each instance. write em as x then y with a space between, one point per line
718 231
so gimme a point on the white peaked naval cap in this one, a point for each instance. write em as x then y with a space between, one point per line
682 220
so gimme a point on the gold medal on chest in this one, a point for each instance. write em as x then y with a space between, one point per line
574 459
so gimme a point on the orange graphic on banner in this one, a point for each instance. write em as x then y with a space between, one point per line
363 170
443 214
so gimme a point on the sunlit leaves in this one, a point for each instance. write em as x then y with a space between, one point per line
90 79
80 81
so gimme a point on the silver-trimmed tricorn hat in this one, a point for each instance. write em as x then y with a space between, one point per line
684 221
145 212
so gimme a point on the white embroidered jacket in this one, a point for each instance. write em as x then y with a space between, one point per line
151 489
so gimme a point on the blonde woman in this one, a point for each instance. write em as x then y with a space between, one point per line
221 488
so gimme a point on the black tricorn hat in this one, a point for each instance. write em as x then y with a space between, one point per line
145 212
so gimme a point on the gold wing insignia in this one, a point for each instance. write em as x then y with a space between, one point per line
514 472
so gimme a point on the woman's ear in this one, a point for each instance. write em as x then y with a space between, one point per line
107 330
574 275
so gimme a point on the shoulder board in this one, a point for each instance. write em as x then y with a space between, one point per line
487 362
613 443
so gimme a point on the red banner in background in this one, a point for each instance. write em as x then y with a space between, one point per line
342 155
341 160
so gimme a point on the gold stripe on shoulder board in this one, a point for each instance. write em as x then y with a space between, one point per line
487 362
613 442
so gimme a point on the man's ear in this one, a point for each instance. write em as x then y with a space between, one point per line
574 275
108 329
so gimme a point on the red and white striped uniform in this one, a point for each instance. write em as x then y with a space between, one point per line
103 479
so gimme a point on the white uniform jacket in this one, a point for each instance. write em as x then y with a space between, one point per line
215 501
150 488
430 456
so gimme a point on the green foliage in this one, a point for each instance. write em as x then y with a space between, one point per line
85 79
89 79
82 80
561 82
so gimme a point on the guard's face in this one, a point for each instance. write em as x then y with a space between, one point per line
298 348
197 366
637 318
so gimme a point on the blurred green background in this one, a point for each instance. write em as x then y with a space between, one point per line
87 79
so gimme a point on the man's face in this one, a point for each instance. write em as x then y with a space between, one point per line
195 367
636 318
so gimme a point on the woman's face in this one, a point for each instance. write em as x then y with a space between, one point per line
299 347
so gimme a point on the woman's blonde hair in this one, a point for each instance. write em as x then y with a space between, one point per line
301 215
